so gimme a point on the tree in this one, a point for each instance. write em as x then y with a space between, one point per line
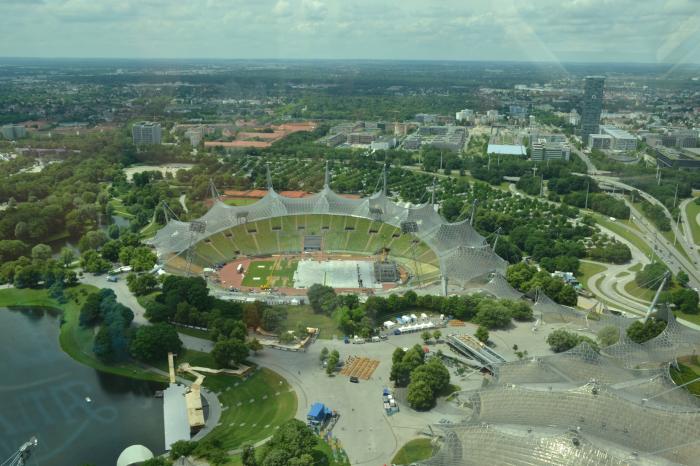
420 395
425 336
650 276
322 298
332 362
254 345
492 314
682 278
434 373
230 352
102 346
90 311
91 261
66 256
562 340
142 259
157 461
273 317
608 335
92 240
141 284
640 332
12 249
324 354
482 334
41 252
152 343
519 310
248 455
182 448
451 208
292 443
436 335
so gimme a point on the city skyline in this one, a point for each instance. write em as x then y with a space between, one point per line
586 31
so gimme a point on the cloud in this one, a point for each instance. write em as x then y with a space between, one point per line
541 30
281 8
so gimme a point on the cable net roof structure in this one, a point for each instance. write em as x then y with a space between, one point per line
462 253
616 406
486 444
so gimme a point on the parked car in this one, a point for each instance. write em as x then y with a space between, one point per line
354 379
113 278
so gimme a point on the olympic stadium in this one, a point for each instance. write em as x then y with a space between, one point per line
616 405
370 243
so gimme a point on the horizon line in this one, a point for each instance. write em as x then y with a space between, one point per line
298 59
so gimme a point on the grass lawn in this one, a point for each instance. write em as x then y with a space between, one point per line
635 290
195 358
75 340
284 273
119 207
692 210
689 369
240 201
147 298
588 269
415 450
243 421
258 273
150 230
694 318
306 316
636 267
615 227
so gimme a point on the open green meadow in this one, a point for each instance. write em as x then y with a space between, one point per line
252 408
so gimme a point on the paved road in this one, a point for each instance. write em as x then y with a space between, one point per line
124 296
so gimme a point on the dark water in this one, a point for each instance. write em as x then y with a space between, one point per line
43 390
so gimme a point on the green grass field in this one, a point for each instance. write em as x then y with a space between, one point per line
258 273
283 274
633 238
693 210
74 340
415 450
694 318
240 201
587 270
305 315
243 421
688 369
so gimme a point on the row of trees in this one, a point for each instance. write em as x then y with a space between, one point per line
526 278
563 340
116 340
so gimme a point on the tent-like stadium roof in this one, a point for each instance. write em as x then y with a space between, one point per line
462 252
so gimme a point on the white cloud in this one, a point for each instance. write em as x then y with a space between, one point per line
550 30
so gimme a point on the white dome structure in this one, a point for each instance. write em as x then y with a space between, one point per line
133 455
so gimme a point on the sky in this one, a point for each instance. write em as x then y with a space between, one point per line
641 31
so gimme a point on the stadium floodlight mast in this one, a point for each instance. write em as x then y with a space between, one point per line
197 227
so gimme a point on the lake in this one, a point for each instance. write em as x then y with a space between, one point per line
43 393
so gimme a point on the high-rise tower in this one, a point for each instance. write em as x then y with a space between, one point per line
592 106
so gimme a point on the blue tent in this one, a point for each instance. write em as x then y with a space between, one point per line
318 412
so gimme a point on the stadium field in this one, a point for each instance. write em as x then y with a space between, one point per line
258 273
